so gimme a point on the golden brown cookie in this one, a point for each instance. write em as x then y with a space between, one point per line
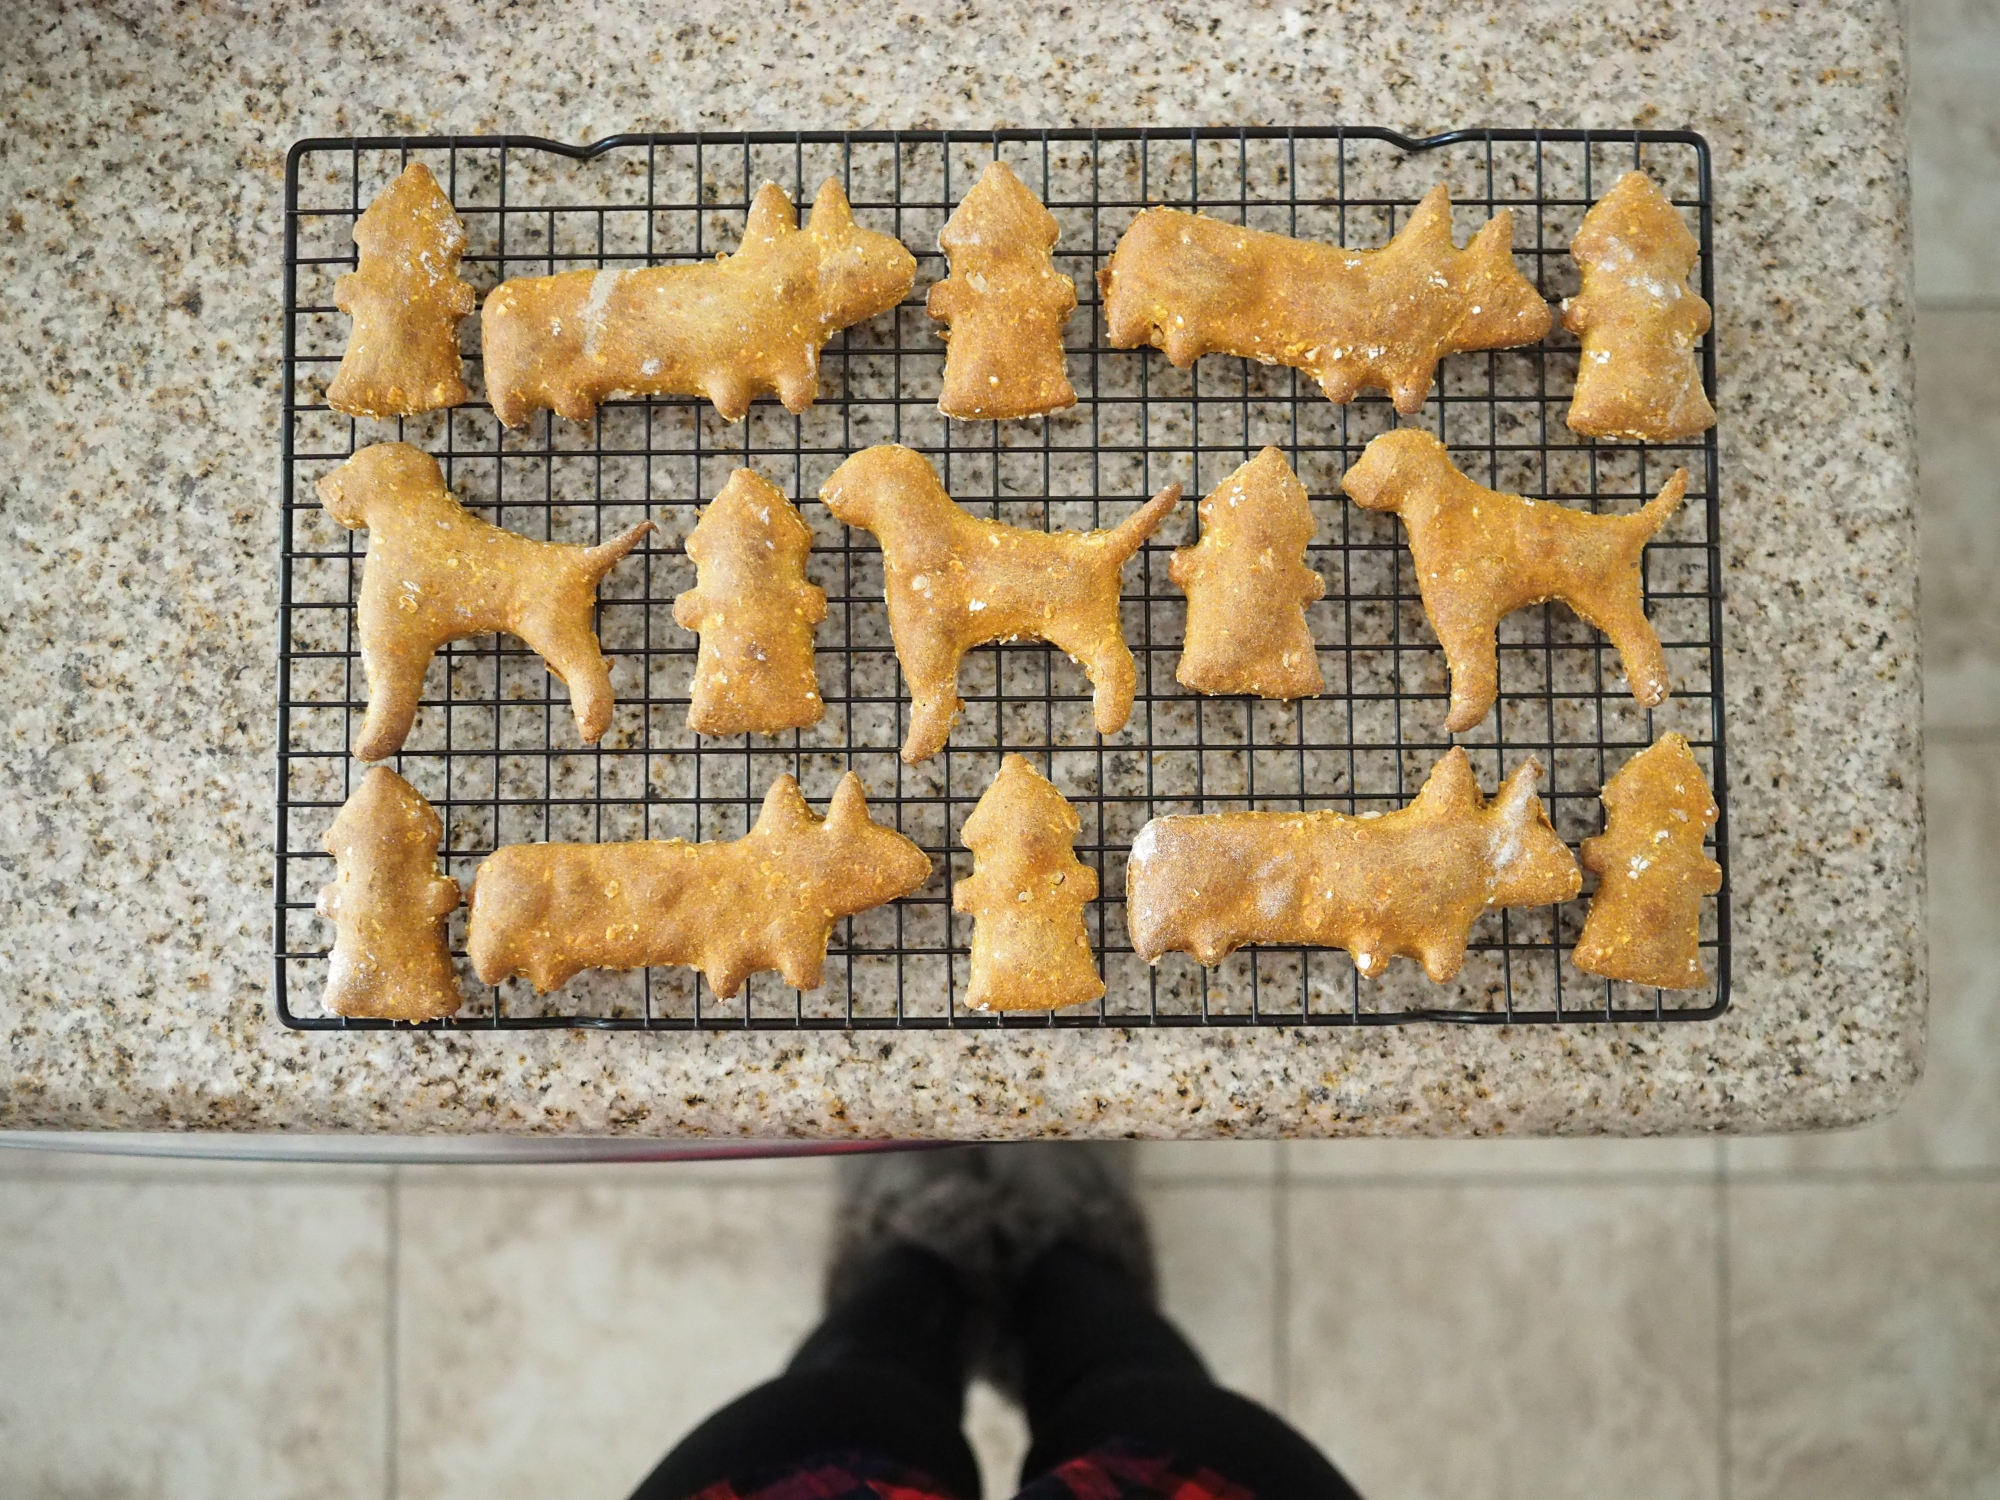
388 906
955 582
1026 896
406 300
436 573
730 909
1354 320
1409 883
1481 554
1638 376
1645 919
1247 587
732 329
1004 305
755 613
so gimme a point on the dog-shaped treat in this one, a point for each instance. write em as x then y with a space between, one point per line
436 572
955 582
1481 554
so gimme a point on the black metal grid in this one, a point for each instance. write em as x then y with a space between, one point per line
495 748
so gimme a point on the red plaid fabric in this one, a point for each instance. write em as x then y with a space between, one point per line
1111 1473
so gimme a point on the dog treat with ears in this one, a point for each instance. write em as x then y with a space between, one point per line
1638 318
730 909
1481 554
755 613
406 301
388 905
1026 896
731 329
954 582
1004 305
1352 319
436 572
1247 587
1409 883
1645 919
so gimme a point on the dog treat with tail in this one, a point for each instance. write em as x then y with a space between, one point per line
954 582
731 329
435 572
730 909
1481 554
1409 883
1354 320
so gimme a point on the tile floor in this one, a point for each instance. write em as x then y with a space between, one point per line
1786 1318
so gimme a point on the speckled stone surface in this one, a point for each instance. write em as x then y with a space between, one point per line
142 166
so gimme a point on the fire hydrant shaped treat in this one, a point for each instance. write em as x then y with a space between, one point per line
388 904
407 300
1247 587
1637 376
755 613
1004 305
1026 896
1645 918
435 572
1481 554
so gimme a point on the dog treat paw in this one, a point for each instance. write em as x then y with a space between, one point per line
730 909
1481 554
406 301
954 582
1004 305
1026 896
730 330
435 572
1247 587
1645 918
1638 318
388 906
755 613
1352 319
1409 883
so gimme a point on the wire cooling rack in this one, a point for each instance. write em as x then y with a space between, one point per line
495 748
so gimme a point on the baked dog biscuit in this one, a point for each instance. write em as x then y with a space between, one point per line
1409 883
731 329
955 582
1247 587
1004 304
1645 919
1638 376
406 300
755 613
436 572
388 905
1026 896
1354 320
730 909
1481 554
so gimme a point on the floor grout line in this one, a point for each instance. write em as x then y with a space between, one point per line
1725 1475
1281 1283
1962 734
391 1433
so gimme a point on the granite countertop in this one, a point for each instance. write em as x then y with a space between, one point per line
143 162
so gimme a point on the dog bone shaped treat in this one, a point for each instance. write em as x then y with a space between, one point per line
1352 319
954 582
388 905
731 330
1004 304
755 613
406 300
1481 554
1638 376
1026 896
436 572
730 909
1645 919
1409 883
1247 587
